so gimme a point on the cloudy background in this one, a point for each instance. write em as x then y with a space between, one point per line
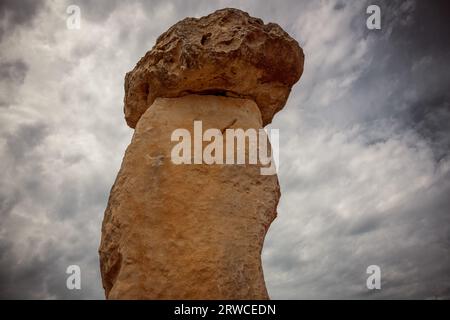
364 159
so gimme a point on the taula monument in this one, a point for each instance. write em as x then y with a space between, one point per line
195 230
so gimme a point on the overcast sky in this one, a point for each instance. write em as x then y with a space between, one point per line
364 144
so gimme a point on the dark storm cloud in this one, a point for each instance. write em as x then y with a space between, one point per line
395 110
413 51
410 244
42 220
13 71
22 141
339 5
44 275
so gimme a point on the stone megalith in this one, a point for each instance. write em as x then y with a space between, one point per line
196 231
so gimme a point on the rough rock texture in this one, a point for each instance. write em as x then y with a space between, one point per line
228 53
195 231
187 231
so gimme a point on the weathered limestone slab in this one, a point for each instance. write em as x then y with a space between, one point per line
187 231
196 231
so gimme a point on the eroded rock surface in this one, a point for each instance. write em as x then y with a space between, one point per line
228 53
196 231
187 231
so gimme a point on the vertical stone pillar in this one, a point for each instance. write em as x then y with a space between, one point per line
195 231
